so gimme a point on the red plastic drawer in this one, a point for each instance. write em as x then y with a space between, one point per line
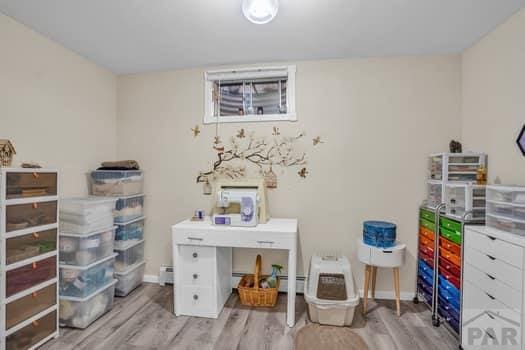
450 267
426 250
450 277
450 246
30 275
429 259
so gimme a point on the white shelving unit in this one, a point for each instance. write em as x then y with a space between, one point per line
28 257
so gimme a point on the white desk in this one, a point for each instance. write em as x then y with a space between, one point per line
192 258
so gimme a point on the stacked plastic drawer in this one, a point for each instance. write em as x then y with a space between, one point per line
126 187
449 277
86 260
506 208
426 255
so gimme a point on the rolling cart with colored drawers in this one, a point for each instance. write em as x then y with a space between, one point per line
440 265
28 257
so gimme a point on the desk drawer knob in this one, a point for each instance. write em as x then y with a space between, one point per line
195 255
195 297
195 276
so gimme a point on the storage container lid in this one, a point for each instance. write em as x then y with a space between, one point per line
384 225
89 234
87 267
95 293
120 249
130 221
75 203
130 269
131 196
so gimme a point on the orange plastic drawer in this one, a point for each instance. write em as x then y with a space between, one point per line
31 334
21 216
35 184
425 241
426 233
30 305
31 245
30 275
450 246
453 258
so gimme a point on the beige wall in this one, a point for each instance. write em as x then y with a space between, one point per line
57 108
493 110
380 119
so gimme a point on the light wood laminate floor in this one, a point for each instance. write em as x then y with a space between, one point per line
144 320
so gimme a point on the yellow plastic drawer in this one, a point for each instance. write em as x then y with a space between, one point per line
22 216
30 305
34 184
30 245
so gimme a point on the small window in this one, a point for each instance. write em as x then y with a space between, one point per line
261 94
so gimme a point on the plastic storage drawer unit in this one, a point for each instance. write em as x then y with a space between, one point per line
85 249
22 216
128 233
28 246
81 312
36 184
80 281
129 208
30 275
115 183
129 256
30 335
129 279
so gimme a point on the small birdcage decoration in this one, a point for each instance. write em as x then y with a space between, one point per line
270 179
7 151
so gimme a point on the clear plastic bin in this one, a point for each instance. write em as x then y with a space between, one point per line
500 209
86 209
434 194
129 279
129 256
129 233
101 224
129 208
506 224
81 312
80 281
85 249
115 183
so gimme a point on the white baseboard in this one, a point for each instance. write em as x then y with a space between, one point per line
389 295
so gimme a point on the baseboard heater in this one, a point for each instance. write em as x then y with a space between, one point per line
166 276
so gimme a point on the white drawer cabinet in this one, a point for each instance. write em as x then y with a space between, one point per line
493 299
204 284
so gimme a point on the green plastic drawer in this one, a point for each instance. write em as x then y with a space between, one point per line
428 225
427 215
450 224
454 236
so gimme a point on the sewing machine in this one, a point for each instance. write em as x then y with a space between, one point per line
240 203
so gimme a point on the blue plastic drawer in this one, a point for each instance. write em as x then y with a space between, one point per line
449 307
426 269
454 301
449 287
426 291
428 280
379 234
451 320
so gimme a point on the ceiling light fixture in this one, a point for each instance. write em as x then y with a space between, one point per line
260 11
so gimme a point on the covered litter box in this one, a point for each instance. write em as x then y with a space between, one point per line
330 291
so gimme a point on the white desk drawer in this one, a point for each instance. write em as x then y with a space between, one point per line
493 287
495 327
197 301
195 255
487 263
480 300
504 251
196 274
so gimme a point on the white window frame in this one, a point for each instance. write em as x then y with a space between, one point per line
249 73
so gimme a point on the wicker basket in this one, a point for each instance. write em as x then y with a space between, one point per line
251 294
